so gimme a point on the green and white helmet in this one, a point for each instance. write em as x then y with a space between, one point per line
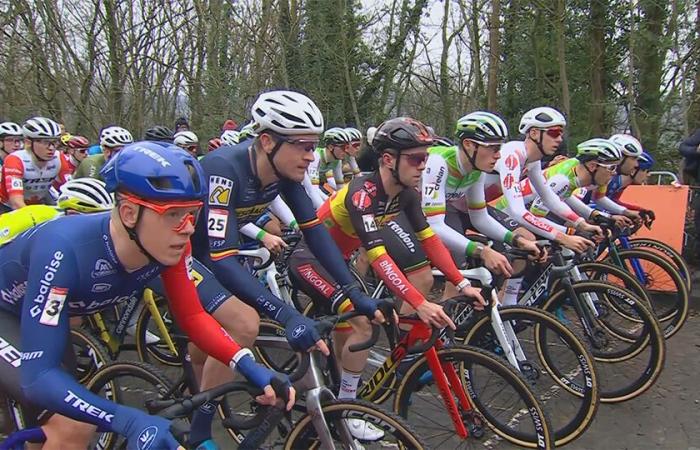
599 149
247 131
483 127
354 133
629 145
336 135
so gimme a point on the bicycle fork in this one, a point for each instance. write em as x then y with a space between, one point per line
506 335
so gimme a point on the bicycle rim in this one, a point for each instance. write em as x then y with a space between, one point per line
557 366
625 367
500 400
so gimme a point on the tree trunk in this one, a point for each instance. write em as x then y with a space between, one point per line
597 36
560 26
494 54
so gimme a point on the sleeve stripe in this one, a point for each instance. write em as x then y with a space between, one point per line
311 223
425 234
375 252
222 255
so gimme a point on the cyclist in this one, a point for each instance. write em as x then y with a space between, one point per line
631 150
83 195
352 151
76 151
188 141
356 216
181 124
619 182
247 132
243 181
453 183
327 164
543 128
112 140
27 175
595 164
10 139
159 133
60 263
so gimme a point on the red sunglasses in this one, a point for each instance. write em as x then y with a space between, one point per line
554 132
178 222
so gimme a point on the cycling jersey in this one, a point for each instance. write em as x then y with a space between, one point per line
562 180
22 175
616 187
237 198
602 200
324 169
69 267
504 184
444 181
70 164
354 216
90 167
20 220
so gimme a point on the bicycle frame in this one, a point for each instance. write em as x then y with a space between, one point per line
636 265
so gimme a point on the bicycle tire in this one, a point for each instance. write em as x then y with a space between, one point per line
658 269
466 357
302 435
157 351
649 336
601 271
666 251
161 386
578 378
91 354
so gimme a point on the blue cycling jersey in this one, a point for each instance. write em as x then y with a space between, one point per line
63 268
236 198
615 187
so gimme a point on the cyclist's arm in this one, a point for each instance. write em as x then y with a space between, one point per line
433 247
337 180
280 209
479 216
13 177
45 333
316 195
433 204
204 331
252 231
551 200
315 176
324 247
515 204
353 165
223 238
602 200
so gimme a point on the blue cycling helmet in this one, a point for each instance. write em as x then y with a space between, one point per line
646 161
155 172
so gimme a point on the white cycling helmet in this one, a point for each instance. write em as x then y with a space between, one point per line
286 113
41 128
248 130
185 139
230 137
85 195
542 117
10 129
599 149
371 131
629 145
355 134
483 127
115 137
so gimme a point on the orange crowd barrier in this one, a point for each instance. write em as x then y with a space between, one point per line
669 204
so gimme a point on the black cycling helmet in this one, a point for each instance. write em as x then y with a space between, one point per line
401 133
159 133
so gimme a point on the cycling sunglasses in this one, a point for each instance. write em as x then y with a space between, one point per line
554 132
608 167
308 145
176 221
415 159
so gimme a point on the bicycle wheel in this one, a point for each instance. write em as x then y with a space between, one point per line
131 384
629 354
90 354
611 274
499 396
667 252
159 350
558 367
664 285
397 433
